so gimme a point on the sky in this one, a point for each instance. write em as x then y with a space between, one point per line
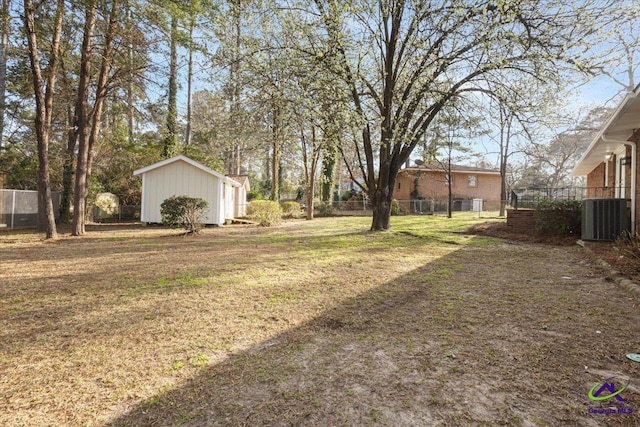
597 92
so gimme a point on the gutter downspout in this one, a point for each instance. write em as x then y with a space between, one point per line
634 175
634 171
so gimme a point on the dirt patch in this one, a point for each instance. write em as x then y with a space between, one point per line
618 255
503 231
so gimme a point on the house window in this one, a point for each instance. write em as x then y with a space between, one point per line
472 180
398 185
448 178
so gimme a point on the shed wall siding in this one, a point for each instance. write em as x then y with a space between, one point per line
220 207
179 179
241 201
231 201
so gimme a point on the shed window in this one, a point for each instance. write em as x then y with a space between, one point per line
473 180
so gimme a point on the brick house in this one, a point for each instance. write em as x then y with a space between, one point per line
610 161
430 181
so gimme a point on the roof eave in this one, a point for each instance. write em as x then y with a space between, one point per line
186 160
609 136
480 172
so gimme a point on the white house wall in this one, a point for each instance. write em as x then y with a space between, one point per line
179 179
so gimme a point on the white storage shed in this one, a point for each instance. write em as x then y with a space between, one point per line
182 176
241 194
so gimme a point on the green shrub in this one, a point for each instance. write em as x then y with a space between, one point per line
266 212
558 217
184 212
395 207
324 209
290 210
254 195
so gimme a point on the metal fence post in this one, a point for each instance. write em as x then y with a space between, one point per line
13 208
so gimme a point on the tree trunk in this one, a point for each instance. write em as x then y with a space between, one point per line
4 42
328 172
46 213
449 183
82 113
310 166
187 137
381 206
505 136
235 81
102 88
130 106
308 196
275 159
170 148
382 195
68 168
449 196
90 121
44 110
503 187
69 159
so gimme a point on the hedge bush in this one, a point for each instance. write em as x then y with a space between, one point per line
558 217
395 207
254 195
266 212
184 212
324 209
290 209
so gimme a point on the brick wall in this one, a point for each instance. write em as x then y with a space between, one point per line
432 185
596 181
521 220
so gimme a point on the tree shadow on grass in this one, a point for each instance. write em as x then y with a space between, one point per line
311 374
455 342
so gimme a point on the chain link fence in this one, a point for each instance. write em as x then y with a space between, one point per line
420 207
122 213
19 208
529 198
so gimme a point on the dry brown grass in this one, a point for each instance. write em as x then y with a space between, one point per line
318 323
623 255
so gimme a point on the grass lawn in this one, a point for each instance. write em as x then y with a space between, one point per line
310 323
